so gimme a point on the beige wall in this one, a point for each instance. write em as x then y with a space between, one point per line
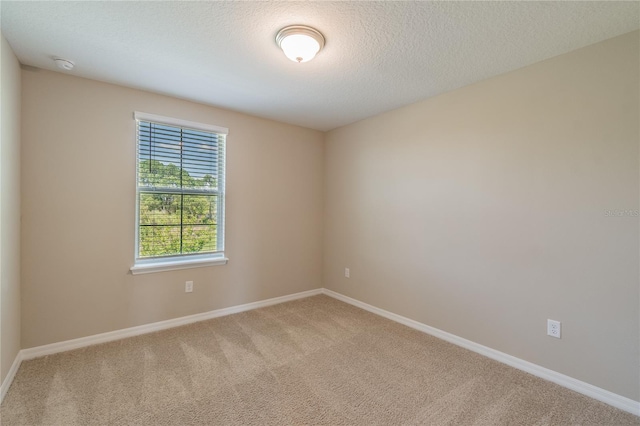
9 208
482 212
78 210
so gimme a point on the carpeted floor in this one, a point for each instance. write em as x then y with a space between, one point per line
311 361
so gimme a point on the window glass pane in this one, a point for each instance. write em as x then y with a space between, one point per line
200 159
199 238
199 209
155 174
160 209
159 240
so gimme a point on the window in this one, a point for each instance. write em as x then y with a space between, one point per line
180 194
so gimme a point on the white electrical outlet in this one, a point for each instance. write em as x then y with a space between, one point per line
347 273
188 287
554 328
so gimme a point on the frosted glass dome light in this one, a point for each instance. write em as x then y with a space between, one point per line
300 43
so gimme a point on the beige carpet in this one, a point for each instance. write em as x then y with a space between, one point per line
311 361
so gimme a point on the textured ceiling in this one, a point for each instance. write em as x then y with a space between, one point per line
378 55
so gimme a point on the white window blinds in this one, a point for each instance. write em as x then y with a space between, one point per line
180 187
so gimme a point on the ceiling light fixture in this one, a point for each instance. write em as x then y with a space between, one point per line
300 43
64 64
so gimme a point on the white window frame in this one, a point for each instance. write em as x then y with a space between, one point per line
170 263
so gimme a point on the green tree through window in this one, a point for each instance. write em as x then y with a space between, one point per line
180 190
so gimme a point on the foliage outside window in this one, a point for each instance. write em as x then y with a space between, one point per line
180 188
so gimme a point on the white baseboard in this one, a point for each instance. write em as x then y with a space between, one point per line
68 345
613 399
6 383
584 388
82 342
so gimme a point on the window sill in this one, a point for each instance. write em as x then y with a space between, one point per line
151 266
